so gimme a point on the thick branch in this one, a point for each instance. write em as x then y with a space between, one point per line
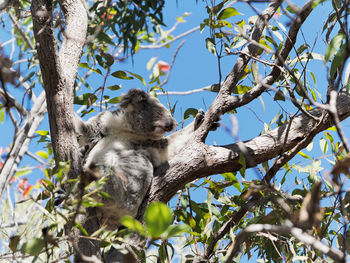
208 160
59 72
22 140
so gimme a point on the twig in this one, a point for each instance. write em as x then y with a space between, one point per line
172 63
170 41
298 233
36 158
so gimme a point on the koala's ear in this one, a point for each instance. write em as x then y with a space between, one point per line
133 97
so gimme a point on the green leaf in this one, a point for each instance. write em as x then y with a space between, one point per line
333 46
2 115
133 224
157 218
23 172
31 74
242 162
42 154
241 89
114 100
81 228
34 246
190 111
85 65
121 75
139 78
109 59
102 36
304 155
228 12
43 133
85 99
114 87
175 230
338 59
210 44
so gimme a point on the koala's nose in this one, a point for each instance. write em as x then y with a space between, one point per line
169 125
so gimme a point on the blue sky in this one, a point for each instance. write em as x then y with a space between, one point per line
194 68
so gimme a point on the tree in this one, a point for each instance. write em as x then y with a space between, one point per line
242 216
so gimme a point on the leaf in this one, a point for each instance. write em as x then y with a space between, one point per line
150 63
241 89
309 147
42 154
121 75
279 96
102 36
2 115
85 65
139 78
14 240
242 162
190 111
34 246
338 59
85 99
304 155
157 218
114 100
133 224
227 13
114 87
109 59
323 145
43 133
175 230
255 71
333 46
210 44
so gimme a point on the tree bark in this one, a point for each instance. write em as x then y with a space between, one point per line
207 160
59 70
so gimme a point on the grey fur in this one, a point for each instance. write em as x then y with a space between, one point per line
125 146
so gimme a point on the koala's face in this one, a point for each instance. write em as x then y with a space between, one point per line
146 115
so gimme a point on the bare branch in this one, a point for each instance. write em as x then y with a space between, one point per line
170 41
208 160
298 233
22 140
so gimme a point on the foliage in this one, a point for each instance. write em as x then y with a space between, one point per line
308 191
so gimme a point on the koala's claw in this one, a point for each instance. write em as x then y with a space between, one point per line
199 120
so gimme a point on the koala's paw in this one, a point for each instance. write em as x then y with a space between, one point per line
84 150
199 119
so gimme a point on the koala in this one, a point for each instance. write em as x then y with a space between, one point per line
125 146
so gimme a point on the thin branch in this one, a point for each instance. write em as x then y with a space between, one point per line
170 41
18 27
224 101
172 63
21 142
298 233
